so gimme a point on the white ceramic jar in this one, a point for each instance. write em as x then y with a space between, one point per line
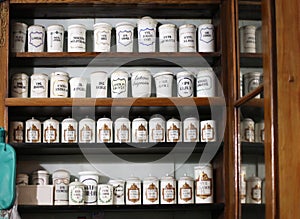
16 133
36 38
33 131
206 38
119 84
139 130
247 39
19 85
157 128
102 37
146 34
187 38
185 84
104 130
51 131
151 190
69 130
76 193
260 131
55 38
185 190
99 84
40 177
124 37
59 85
254 194
168 190
90 179
141 83
61 180
243 183
174 130
22 179
191 129
105 194
203 183
122 130
206 83
77 38
118 191
87 130
167 38
208 131
38 85
133 191
247 130
164 84
258 40
78 87
18 37
251 80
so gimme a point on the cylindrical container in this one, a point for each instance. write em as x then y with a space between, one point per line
59 85
185 190
55 38
124 37
187 38
98 84
185 84
61 180
18 37
247 39
78 87
206 38
243 184
139 130
36 38
151 190
146 34
90 180
254 190
141 83
22 179
167 38
263 191
104 130
174 130
33 131
76 193
76 38
157 128
39 85
119 84
102 37
247 130
168 190
133 191
258 40
105 194
118 191
251 81
164 84
19 85
191 129
122 130
87 130
206 83
51 131
69 128
208 131
260 131
40 177
203 183
16 133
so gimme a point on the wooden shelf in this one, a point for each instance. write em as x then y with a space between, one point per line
44 59
250 96
251 60
250 9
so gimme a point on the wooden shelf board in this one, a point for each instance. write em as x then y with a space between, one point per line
251 60
243 100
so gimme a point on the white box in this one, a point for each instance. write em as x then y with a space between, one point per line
35 194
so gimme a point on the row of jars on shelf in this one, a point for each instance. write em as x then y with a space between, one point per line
146 37
251 131
141 84
120 131
90 189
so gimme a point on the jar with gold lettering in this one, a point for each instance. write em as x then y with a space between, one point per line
69 128
203 183
185 190
139 130
33 131
104 130
150 190
133 191
168 190
51 131
174 131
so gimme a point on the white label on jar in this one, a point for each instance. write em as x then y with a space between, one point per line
204 83
123 135
36 38
133 194
158 134
50 135
191 134
147 36
152 194
19 85
206 34
33 135
118 191
140 80
187 39
253 84
105 194
249 40
249 134
141 135
18 135
119 85
256 194
70 135
60 88
173 134
185 87
262 135
86 135
61 192
125 37
185 194
169 194
39 86
203 188
105 135
103 39
76 194
208 133
243 189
